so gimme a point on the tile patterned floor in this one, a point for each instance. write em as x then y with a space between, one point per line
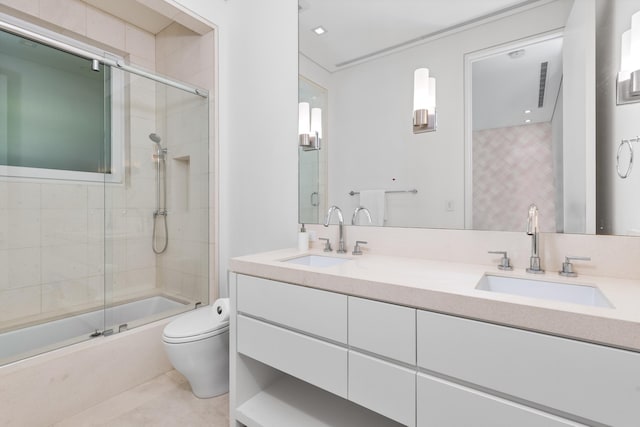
164 401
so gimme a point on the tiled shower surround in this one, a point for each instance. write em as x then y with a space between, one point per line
67 246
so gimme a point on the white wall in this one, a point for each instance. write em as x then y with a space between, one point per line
370 121
256 125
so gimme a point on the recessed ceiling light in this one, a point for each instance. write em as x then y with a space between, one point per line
527 111
319 30
528 121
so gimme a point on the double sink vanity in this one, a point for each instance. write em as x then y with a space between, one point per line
342 340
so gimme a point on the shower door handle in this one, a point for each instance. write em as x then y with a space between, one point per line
314 199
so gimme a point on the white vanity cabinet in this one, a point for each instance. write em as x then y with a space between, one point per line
582 380
319 313
314 361
307 334
381 328
383 387
442 403
382 358
285 321
394 365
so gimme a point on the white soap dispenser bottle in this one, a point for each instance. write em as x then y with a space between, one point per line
303 239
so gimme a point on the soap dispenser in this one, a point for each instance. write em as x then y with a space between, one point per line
303 239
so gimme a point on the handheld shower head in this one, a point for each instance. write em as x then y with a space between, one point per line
155 138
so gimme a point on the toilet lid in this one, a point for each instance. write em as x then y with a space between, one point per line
197 324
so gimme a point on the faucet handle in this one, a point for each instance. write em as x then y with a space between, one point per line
327 245
567 266
505 262
356 249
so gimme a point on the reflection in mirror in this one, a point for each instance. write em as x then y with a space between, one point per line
312 163
369 83
516 137
618 198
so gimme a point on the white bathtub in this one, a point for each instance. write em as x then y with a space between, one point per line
37 339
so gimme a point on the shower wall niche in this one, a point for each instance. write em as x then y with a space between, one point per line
73 244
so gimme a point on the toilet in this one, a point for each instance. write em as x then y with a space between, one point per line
197 344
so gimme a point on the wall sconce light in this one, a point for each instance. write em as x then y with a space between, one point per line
424 101
309 127
628 83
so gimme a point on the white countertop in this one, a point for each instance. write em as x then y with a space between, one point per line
449 287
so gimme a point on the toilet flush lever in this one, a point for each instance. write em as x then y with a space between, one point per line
505 262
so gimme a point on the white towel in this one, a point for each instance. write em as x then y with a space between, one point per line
374 200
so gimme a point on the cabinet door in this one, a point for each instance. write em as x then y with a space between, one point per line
316 362
383 387
385 329
589 381
443 404
312 311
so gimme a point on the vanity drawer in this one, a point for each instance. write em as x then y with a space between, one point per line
383 387
316 362
587 380
443 404
385 329
316 312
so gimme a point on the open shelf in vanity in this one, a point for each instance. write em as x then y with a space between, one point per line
292 403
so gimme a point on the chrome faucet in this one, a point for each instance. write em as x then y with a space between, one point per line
357 210
334 208
533 231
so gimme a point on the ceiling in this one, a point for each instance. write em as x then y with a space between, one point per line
361 28
504 87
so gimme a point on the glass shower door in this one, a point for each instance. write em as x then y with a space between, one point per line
157 214
52 121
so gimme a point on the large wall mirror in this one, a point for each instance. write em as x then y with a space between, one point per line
519 85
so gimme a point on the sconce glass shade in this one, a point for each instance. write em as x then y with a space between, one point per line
303 118
316 122
420 89
625 51
628 82
634 43
424 101
431 99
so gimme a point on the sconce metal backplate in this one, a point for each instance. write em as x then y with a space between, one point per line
424 121
310 142
624 94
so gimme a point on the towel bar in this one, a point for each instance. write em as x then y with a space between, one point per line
414 191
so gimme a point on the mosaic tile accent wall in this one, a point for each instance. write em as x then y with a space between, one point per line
512 168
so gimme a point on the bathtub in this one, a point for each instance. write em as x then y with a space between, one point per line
31 340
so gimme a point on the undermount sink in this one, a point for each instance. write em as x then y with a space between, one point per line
542 289
317 260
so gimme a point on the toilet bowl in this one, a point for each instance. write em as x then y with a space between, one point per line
197 344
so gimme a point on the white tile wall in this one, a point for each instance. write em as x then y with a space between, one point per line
70 15
186 265
105 28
